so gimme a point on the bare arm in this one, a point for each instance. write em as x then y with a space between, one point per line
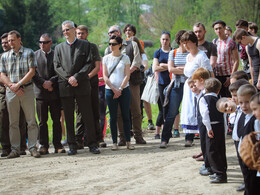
213 61
127 76
235 60
250 65
157 67
173 69
258 48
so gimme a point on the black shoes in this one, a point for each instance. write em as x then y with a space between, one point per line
94 150
5 153
72 152
219 179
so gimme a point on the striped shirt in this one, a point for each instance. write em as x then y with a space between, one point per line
16 66
224 64
179 61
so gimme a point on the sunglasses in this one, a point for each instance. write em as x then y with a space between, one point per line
166 32
113 44
112 31
66 30
44 42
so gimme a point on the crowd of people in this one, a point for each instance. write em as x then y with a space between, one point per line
202 75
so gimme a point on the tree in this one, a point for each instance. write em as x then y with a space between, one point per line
14 13
38 21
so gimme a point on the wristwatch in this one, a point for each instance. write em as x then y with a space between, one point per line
120 88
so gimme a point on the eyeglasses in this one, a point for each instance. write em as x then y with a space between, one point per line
112 31
113 44
44 42
66 30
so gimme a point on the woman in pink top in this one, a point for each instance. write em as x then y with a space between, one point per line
102 100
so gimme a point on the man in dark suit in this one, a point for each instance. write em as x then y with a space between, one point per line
82 33
72 62
47 95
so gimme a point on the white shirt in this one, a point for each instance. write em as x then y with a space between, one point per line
247 118
117 77
204 111
234 133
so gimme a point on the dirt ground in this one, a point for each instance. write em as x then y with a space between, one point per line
145 170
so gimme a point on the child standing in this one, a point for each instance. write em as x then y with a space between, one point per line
212 121
199 77
245 126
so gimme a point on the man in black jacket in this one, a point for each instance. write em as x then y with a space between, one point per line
47 95
72 63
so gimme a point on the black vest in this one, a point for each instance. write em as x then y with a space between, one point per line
214 114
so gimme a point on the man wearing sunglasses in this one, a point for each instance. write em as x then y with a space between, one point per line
131 49
47 96
82 33
72 63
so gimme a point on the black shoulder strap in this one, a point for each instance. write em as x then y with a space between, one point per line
115 66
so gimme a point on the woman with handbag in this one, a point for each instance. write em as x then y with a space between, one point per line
176 63
116 74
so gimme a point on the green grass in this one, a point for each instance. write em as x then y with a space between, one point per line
155 112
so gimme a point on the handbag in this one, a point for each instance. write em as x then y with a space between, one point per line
151 91
115 66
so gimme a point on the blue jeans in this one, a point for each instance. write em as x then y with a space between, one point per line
173 109
124 102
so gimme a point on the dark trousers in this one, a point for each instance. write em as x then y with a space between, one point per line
80 128
142 102
252 182
42 107
161 114
224 92
203 137
102 106
124 102
85 108
189 137
4 125
172 111
216 150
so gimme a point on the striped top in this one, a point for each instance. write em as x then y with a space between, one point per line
179 61
16 66
224 64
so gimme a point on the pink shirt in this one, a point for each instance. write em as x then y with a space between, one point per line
224 64
100 74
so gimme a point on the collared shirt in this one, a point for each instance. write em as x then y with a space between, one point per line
17 65
234 132
72 41
204 111
45 52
